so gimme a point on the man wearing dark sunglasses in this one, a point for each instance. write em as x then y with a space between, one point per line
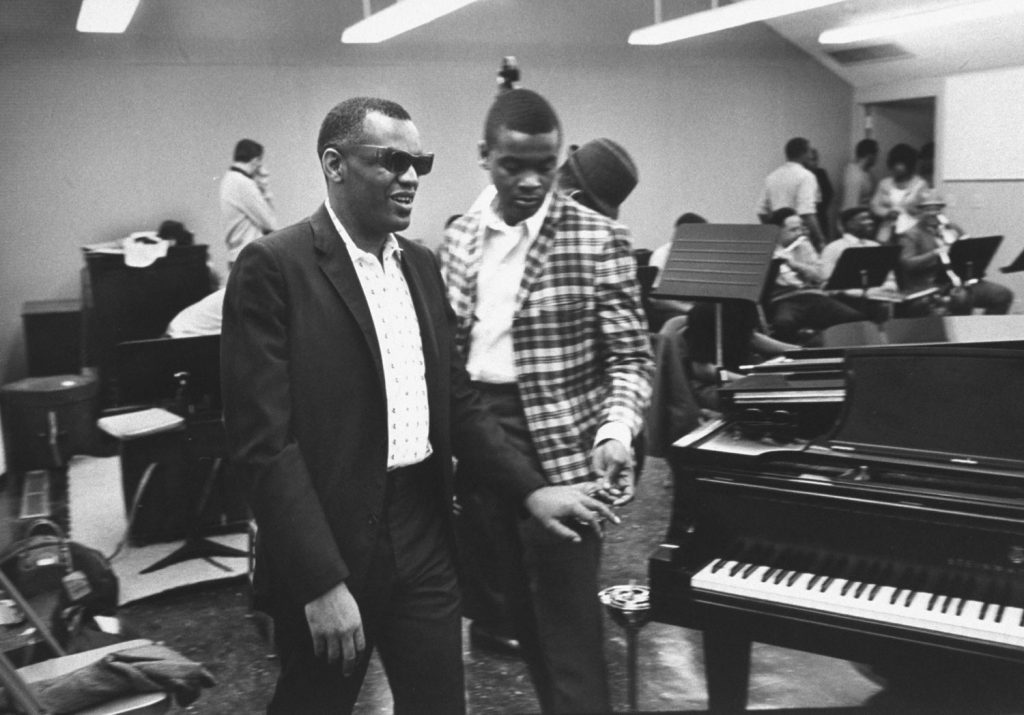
344 402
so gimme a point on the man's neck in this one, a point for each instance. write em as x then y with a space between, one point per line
364 241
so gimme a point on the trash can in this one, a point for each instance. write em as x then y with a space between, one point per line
48 419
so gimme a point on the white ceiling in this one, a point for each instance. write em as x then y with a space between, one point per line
311 29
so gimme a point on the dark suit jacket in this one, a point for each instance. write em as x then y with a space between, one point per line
305 406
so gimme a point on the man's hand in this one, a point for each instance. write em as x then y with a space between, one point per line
612 462
336 627
554 505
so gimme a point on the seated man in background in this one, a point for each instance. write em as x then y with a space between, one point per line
858 228
924 260
742 343
798 307
662 310
201 318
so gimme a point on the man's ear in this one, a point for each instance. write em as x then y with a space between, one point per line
333 165
484 154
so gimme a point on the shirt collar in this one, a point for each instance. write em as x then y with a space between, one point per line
241 171
494 222
391 247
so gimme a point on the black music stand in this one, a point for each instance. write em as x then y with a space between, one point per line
1016 266
718 262
969 257
182 374
863 267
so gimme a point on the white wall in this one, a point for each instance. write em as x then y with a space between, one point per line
96 146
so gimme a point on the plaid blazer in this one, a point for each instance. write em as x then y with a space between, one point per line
582 350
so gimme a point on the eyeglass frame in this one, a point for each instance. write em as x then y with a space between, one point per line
385 156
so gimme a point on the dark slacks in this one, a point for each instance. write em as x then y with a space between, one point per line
550 587
809 310
410 611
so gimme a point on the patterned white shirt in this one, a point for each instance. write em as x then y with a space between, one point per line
401 348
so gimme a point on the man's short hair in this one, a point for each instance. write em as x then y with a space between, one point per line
902 154
690 217
865 147
246 150
520 110
344 123
796 148
847 214
779 216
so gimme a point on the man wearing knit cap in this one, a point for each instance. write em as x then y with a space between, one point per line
550 322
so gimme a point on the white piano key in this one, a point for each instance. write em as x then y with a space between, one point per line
962 617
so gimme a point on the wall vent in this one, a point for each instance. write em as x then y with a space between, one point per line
869 53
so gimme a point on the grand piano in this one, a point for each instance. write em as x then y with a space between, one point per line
853 503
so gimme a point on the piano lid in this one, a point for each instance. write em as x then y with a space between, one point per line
944 405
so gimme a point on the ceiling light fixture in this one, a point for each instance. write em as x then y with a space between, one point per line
914 22
402 16
719 18
111 16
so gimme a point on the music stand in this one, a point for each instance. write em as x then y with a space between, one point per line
969 257
1017 265
718 262
863 267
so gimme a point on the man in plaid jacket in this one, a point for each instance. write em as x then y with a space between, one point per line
550 323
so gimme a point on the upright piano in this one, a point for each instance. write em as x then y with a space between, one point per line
866 502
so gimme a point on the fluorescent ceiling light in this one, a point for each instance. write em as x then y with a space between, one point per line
105 15
400 17
738 13
927 20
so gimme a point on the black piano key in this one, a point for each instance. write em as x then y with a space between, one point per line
749 570
846 587
895 595
860 589
737 567
960 606
793 577
768 574
781 576
946 602
827 582
984 610
932 601
910 598
717 565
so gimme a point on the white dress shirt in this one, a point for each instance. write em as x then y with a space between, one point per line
502 262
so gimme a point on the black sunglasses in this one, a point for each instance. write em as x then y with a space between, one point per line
396 161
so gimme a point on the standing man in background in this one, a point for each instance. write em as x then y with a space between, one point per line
344 402
245 200
549 318
858 181
793 186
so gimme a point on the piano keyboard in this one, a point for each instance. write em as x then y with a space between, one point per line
990 621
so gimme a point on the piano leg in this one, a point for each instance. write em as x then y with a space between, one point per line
727 670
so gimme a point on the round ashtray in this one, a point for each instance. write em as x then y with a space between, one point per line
627 604
628 597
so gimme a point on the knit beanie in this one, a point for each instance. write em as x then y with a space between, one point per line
605 171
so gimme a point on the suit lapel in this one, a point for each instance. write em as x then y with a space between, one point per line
537 255
336 265
411 268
